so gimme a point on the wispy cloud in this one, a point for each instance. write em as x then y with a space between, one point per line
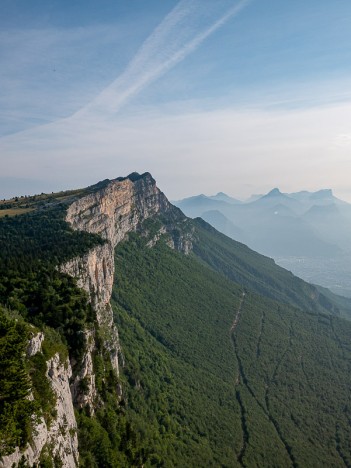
43 71
181 32
46 77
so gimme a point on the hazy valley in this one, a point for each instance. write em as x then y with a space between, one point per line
305 232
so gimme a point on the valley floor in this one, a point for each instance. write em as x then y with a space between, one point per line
333 273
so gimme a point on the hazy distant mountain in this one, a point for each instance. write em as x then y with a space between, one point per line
216 218
224 197
308 225
274 193
253 197
193 206
333 222
275 197
275 224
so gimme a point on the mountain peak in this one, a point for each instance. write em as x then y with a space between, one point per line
274 193
322 194
276 196
135 176
221 194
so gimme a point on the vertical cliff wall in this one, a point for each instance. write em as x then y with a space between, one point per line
59 438
113 211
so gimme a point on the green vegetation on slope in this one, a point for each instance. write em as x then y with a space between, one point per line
295 374
242 265
32 246
180 374
271 392
177 407
341 302
16 409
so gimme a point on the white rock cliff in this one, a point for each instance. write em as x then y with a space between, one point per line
112 212
60 437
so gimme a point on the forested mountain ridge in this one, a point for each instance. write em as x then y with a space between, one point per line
175 345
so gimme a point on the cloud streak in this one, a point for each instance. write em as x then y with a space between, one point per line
43 71
181 32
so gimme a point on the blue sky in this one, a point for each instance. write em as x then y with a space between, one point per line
225 95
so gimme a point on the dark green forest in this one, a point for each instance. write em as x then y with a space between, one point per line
272 392
33 293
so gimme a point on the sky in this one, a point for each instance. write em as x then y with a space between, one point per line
238 96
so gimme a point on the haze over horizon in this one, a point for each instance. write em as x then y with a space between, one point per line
232 96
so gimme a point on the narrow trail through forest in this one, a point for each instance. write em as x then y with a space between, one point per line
244 429
338 448
267 401
241 379
238 313
258 348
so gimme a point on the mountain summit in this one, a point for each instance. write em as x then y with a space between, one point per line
274 193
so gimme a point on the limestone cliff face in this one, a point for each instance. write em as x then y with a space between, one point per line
118 208
94 272
115 210
34 345
62 434
59 439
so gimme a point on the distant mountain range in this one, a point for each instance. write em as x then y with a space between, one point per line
301 230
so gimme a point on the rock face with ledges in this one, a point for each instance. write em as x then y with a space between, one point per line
60 437
35 343
118 208
111 212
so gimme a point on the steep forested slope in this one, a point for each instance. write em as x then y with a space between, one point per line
172 316
34 297
268 389
259 273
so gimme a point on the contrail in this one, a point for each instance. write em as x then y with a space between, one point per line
181 32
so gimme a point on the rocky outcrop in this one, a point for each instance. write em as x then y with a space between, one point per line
83 386
94 272
119 207
59 438
34 345
32 453
62 433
